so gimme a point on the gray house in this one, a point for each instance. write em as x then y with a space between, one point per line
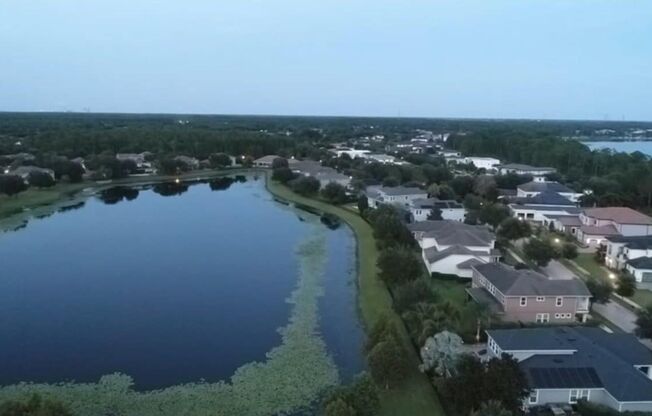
563 365
397 195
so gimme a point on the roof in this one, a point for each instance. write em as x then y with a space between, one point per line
567 209
644 263
520 166
570 221
469 263
596 359
512 282
433 255
267 159
448 233
546 197
639 242
535 186
400 190
436 203
605 230
621 215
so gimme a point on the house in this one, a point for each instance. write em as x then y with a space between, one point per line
528 296
398 195
383 158
352 153
487 163
25 171
420 209
641 269
600 223
521 169
140 159
540 184
564 223
191 162
452 247
565 364
323 174
621 249
543 204
266 161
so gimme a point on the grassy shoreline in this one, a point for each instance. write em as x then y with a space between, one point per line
416 396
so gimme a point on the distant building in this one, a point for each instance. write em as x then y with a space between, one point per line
398 195
420 209
521 169
452 247
540 185
191 162
352 153
383 158
140 159
565 364
600 223
529 297
487 163
266 161
323 174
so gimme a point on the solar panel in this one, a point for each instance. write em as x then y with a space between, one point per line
550 377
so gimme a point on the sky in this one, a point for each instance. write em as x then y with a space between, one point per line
552 59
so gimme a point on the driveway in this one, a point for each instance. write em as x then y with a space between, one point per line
617 314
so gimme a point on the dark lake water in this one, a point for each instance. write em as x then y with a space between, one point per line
169 285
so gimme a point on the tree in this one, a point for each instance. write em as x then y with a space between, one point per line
461 185
280 162
433 190
219 160
398 265
446 192
644 322
40 179
514 229
485 185
626 285
441 352
305 185
600 290
491 408
362 396
435 214
411 293
388 362
339 408
34 406
11 184
540 252
493 214
283 175
426 319
363 204
569 251
389 229
334 193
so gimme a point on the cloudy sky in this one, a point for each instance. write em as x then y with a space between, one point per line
573 59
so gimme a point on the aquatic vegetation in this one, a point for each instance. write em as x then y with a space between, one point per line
293 376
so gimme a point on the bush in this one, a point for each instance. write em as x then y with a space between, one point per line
40 179
600 290
35 406
283 175
411 293
334 193
11 184
305 185
585 408
569 251
219 160
626 285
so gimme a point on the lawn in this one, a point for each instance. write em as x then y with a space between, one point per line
416 396
34 197
642 297
587 262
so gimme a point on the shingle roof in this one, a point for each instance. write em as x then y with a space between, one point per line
434 202
621 215
535 186
605 230
448 233
611 356
512 282
520 166
644 263
639 242
544 198
400 190
433 255
542 208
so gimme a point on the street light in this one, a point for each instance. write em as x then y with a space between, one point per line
612 276
557 240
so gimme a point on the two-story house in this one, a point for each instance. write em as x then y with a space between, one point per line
539 184
600 223
566 364
528 296
539 207
621 249
452 210
397 195
452 247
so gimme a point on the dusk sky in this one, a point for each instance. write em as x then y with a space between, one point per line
566 59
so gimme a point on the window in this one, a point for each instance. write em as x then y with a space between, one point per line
543 318
541 298
559 302
558 315
523 301
576 395
534 397
529 216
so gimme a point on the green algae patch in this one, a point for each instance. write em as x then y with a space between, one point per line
291 379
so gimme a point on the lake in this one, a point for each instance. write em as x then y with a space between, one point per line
620 146
179 283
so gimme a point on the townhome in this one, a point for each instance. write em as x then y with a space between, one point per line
539 185
527 296
398 195
621 249
452 247
565 364
521 169
540 207
600 223
452 210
